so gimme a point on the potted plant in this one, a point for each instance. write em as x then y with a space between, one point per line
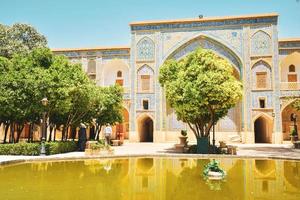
294 135
183 137
96 148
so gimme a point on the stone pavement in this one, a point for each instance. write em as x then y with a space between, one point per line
265 151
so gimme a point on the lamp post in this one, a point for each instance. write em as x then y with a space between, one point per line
44 127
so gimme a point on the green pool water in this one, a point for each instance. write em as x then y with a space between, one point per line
150 178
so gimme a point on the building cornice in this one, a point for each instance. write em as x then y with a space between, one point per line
91 49
270 18
289 43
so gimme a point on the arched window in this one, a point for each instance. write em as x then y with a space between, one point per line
292 68
145 49
119 74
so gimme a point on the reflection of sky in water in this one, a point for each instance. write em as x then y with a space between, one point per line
147 178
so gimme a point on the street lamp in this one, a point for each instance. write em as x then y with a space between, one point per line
44 127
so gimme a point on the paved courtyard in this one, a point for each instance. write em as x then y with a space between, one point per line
266 151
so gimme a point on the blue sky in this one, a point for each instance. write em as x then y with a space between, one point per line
90 23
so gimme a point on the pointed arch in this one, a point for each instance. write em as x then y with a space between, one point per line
263 128
262 61
145 127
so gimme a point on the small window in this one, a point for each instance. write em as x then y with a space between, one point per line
262 103
292 68
145 104
119 74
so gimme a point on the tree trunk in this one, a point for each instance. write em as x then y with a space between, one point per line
12 133
63 133
19 131
73 133
54 137
30 132
50 134
98 132
5 132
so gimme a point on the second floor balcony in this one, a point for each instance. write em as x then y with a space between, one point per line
290 86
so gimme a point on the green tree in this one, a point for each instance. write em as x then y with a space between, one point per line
108 107
19 38
201 88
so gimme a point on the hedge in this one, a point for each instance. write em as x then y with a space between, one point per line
60 147
33 149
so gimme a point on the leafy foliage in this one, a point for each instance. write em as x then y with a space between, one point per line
19 39
60 147
201 88
34 149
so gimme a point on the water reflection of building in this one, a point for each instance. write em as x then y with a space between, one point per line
158 178
271 179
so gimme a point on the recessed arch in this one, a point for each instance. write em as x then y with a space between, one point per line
286 62
287 124
145 79
261 75
110 70
208 42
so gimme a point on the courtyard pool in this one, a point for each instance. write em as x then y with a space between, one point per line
150 178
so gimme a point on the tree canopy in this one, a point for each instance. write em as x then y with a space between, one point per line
73 97
201 88
19 38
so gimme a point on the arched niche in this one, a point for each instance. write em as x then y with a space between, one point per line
261 75
145 79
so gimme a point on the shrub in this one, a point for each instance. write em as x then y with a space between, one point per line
33 149
27 149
